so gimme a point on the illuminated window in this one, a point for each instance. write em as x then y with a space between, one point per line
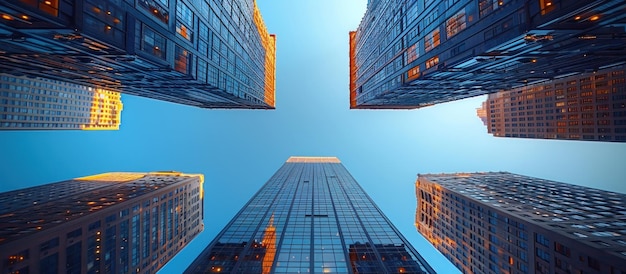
184 24
181 64
487 6
432 40
153 43
412 53
155 9
49 6
413 73
546 6
183 31
456 23
432 62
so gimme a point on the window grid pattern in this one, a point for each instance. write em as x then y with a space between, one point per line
588 107
110 219
323 222
503 222
37 103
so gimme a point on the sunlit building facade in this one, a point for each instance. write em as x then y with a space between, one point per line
32 103
310 217
105 223
500 222
589 107
411 54
204 53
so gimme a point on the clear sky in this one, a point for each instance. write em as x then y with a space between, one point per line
238 150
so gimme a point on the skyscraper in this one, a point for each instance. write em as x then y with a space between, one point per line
38 103
589 107
105 223
204 53
501 222
411 54
311 216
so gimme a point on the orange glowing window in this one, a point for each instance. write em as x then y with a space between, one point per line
546 6
412 53
413 73
456 23
183 31
181 64
49 6
432 62
432 40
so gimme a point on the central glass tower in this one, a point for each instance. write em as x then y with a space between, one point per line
310 217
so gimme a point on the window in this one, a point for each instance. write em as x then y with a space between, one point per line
110 218
49 264
412 53
543 255
184 31
432 62
73 260
202 71
94 225
564 250
181 63
413 73
456 23
156 10
153 43
432 40
75 233
593 263
543 240
487 6
49 244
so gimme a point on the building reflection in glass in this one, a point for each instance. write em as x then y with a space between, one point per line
311 216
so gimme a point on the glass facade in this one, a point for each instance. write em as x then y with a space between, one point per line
499 222
310 217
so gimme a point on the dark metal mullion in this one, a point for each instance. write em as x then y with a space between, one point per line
346 251
280 242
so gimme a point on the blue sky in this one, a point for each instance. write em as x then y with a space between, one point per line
238 150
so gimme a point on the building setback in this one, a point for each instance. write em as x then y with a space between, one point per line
589 107
204 53
105 223
38 103
411 54
310 217
500 222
